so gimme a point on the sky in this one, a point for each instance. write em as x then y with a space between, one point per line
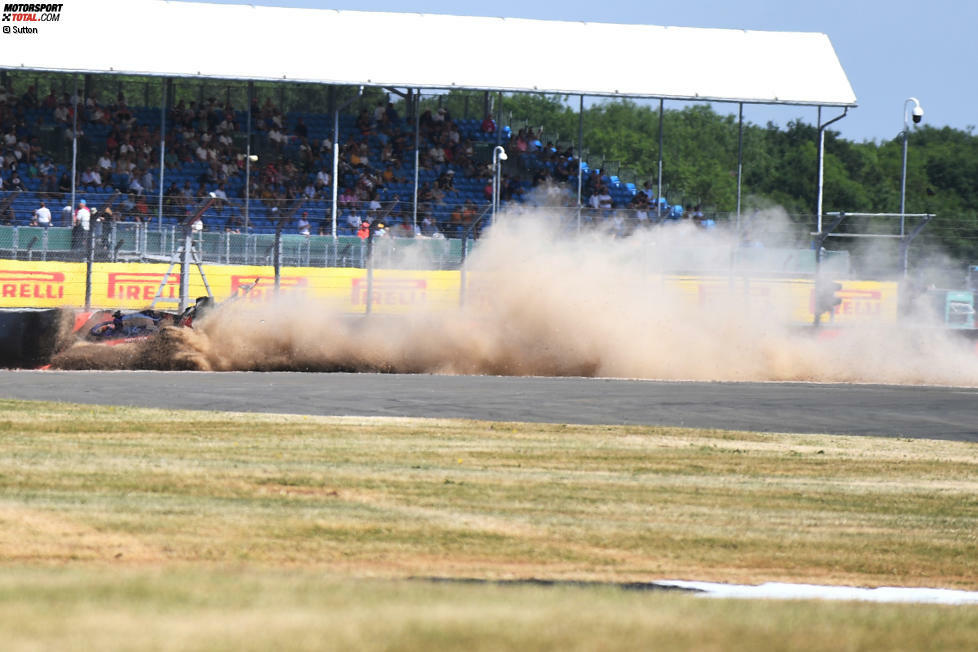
890 49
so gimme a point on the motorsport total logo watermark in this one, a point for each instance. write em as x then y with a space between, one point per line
26 15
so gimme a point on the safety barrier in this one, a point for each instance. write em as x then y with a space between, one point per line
136 285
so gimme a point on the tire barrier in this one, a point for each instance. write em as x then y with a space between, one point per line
28 338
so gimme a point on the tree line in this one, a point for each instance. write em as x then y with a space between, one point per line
779 164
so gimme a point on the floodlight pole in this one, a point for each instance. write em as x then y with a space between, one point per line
417 156
740 157
336 152
580 160
903 171
74 147
821 162
498 156
247 208
162 148
658 192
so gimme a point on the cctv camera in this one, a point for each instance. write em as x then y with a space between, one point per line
502 156
918 114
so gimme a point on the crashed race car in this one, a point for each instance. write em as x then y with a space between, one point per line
118 327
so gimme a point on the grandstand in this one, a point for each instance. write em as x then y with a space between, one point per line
207 141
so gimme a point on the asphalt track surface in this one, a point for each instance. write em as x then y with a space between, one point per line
901 411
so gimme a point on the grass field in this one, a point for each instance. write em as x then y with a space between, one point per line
143 529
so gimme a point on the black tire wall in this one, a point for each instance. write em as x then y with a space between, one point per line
28 338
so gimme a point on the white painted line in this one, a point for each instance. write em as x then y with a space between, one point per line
783 591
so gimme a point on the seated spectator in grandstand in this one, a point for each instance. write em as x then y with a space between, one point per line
62 114
97 115
309 191
64 184
429 227
446 181
90 177
510 188
220 192
387 154
226 125
364 122
276 136
362 157
373 204
15 183
234 224
142 209
649 192
488 125
127 205
403 229
303 226
147 180
322 179
601 199
326 147
640 207
346 198
427 194
301 130
135 186
521 144
105 164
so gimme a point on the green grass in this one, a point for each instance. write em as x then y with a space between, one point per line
146 529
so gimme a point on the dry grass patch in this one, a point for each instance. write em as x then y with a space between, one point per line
403 497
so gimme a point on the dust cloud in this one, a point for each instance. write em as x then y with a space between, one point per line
545 300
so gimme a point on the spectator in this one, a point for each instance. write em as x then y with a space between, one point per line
304 228
15 182
91 177
81 222
42 216
488 125
322 179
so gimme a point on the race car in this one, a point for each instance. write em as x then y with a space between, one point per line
118 327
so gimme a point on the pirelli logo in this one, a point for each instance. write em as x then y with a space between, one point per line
391 292
142 286
28 284
262 288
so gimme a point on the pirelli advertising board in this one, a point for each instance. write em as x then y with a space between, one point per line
134 286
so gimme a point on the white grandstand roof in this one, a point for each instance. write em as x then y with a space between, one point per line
181 39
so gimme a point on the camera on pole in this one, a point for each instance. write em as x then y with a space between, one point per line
826 297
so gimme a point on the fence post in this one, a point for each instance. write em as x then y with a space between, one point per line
89 259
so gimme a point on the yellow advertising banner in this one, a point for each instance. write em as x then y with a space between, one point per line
135 285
